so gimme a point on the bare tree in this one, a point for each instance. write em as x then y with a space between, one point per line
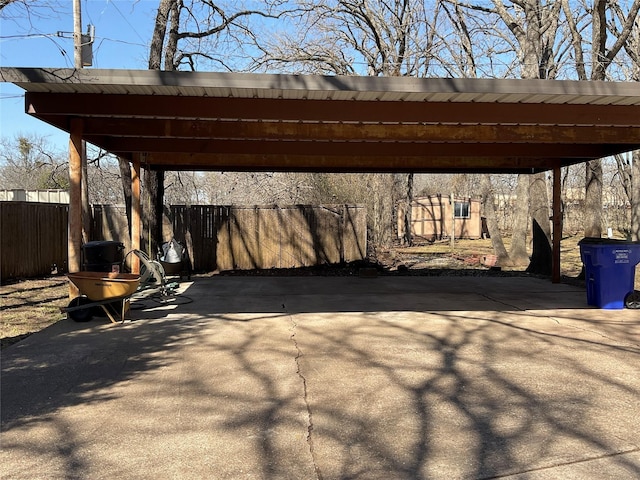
534 27
542 49
607 20
30 162
347 37
152 212
189 34
631 170
25 11
181 29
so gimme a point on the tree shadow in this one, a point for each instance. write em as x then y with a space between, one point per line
293 379
462 387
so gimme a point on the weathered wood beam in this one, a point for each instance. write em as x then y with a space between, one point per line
345 163
158 106
136 226
248 130
74 245
373 148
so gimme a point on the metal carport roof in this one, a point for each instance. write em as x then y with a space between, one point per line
242 121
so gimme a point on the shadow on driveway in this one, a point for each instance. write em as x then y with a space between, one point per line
332 378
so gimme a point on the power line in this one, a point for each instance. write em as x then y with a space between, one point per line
27 35
121 41
135 30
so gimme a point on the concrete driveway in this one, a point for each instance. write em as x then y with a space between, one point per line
332 378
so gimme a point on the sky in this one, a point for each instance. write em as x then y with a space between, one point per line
122 34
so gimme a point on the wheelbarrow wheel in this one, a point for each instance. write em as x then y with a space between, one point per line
633 300
82 314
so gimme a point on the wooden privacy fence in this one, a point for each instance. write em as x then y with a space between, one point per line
34 235
109 222
243 238
33 239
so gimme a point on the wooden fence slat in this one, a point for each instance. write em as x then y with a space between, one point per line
33 239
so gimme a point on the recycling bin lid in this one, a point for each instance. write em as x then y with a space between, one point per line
605 241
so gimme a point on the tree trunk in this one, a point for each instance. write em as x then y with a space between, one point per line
159 211
171 47
518 250
408 237
593 199
492 221
168 10
539 205
149 217
125 176
159 32
635 197
593 169
382 208
452 232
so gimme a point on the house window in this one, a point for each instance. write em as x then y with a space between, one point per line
461 209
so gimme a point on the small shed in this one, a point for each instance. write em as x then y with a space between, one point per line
436 216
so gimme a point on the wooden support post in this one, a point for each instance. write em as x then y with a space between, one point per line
557 225
74 245
135 212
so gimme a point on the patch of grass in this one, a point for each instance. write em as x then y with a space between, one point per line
29 306
461 247
570 261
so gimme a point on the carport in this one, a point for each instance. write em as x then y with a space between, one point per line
240 121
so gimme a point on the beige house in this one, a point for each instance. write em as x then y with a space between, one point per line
432 218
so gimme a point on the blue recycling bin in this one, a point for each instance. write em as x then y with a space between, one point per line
610 267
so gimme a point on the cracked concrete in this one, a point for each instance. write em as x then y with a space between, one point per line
332 378
305 395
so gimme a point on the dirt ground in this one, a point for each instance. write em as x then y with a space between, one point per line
30 305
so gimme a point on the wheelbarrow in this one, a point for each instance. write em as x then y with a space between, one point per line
109 291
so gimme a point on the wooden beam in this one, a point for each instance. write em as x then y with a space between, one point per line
344 163
135 212
557 225
74 245
357 148
173 106
338 131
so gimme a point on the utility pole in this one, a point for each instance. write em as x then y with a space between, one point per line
77 35
77 60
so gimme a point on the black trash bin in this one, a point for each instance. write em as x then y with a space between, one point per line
103 256
609 270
